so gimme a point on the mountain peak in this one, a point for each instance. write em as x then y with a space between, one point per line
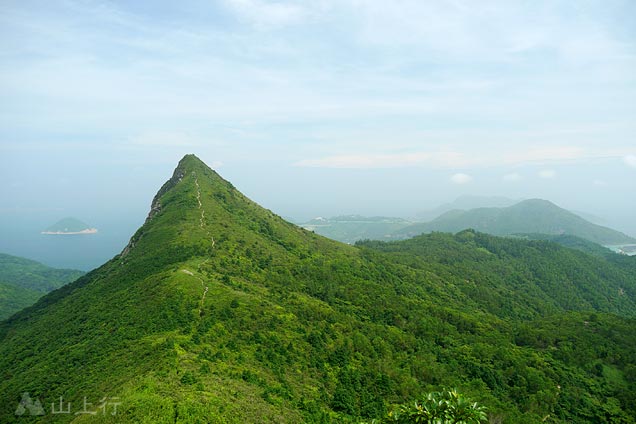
528 216
197 213
188 165
191 162
537 202
181 201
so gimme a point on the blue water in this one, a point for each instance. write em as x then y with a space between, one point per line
625 249
20 236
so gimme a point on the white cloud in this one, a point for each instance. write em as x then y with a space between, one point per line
267 14
491 31
599 183
393 67
546 154
460 178
165 139
547 174
462 158
512 177
367 161
630 160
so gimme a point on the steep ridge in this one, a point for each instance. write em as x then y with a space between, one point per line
220 311
140 305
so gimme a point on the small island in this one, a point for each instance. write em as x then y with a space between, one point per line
69 226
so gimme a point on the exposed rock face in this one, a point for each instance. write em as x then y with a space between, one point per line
155 207
177 176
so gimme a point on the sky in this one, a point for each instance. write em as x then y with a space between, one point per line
317 107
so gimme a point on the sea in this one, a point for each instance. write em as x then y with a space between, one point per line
623 249
21 236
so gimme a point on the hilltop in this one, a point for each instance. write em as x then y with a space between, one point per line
69 226
528 216
219 310
466 202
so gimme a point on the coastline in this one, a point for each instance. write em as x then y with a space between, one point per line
66 233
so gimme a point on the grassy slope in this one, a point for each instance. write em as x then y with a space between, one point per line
528 216
294 327
23 281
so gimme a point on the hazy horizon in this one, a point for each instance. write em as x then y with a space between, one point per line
20 227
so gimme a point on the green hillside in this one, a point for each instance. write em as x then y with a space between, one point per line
572 242
220 311
23 281
528 216
519 279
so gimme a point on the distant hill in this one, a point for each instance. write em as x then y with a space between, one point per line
23 282
527 216
351 228
466 202
573 242
69 226
220 311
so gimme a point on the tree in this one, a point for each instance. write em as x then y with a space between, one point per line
446 407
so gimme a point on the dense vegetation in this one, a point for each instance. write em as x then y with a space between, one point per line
221 311
23 281
446 407
520 279
528 216
572 242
